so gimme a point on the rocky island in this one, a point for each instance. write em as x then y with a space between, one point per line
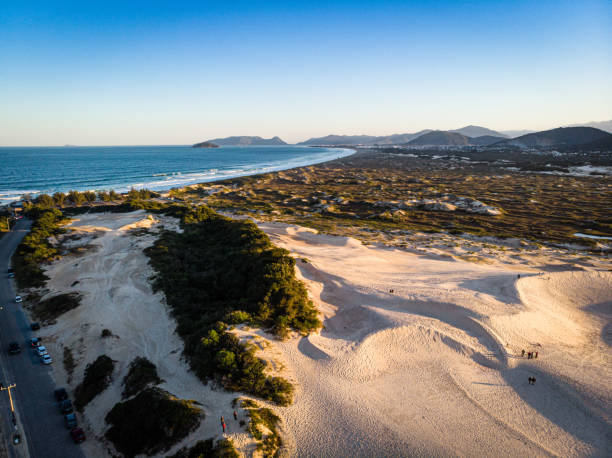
205 145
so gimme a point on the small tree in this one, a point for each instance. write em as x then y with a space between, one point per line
76 197
104 196
89 196
112 195
59 198
45 201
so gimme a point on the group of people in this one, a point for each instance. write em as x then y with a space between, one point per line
223 425
530 355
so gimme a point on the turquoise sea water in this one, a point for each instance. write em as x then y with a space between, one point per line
36 170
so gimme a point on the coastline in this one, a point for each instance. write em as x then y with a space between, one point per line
166 180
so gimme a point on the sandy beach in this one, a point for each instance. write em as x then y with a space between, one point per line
420 353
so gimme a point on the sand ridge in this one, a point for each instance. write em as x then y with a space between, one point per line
434 368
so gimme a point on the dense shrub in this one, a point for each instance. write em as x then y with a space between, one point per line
97 377
49 309
207 449
219 268
35 247
142 373
151 422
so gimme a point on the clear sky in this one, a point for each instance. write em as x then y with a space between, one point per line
177 72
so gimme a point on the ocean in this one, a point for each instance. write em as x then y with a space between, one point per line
36 170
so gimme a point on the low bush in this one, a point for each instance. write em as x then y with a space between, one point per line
151 422
49 309
35 248
97 378
208 449
263 419
142 373
69 362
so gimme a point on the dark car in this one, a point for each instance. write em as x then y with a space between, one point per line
77 434
60 394
35 342
65 406
14 348
71 420
35 326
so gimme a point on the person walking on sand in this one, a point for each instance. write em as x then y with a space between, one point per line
523 353
235 415
529 355
536 354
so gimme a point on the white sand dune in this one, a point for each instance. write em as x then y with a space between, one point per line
434 368
430 369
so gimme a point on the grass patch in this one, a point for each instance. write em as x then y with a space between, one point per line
69 362
141 374
151 422
263 425
97 378
49 309
224 448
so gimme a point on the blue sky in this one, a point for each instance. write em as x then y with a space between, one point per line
92 73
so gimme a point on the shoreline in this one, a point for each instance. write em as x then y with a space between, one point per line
190 179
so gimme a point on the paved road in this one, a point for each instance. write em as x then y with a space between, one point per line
35 405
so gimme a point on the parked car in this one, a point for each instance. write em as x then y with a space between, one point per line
35 342
41 350
46 359
71 420
11 275
65 406
60 394
35 326
18 299
14 348
78 435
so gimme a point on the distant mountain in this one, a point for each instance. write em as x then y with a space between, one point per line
205 145
486 140
341 140
477 131
395 139
603 125
516 133
440 138
247 141
560 137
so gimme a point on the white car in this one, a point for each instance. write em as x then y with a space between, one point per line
18 299
41 350
46 359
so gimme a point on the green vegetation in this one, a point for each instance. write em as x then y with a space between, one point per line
207 449
141 374
364 193
151 422
263 426
69 362
49 309
35 248
220 268
97 377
